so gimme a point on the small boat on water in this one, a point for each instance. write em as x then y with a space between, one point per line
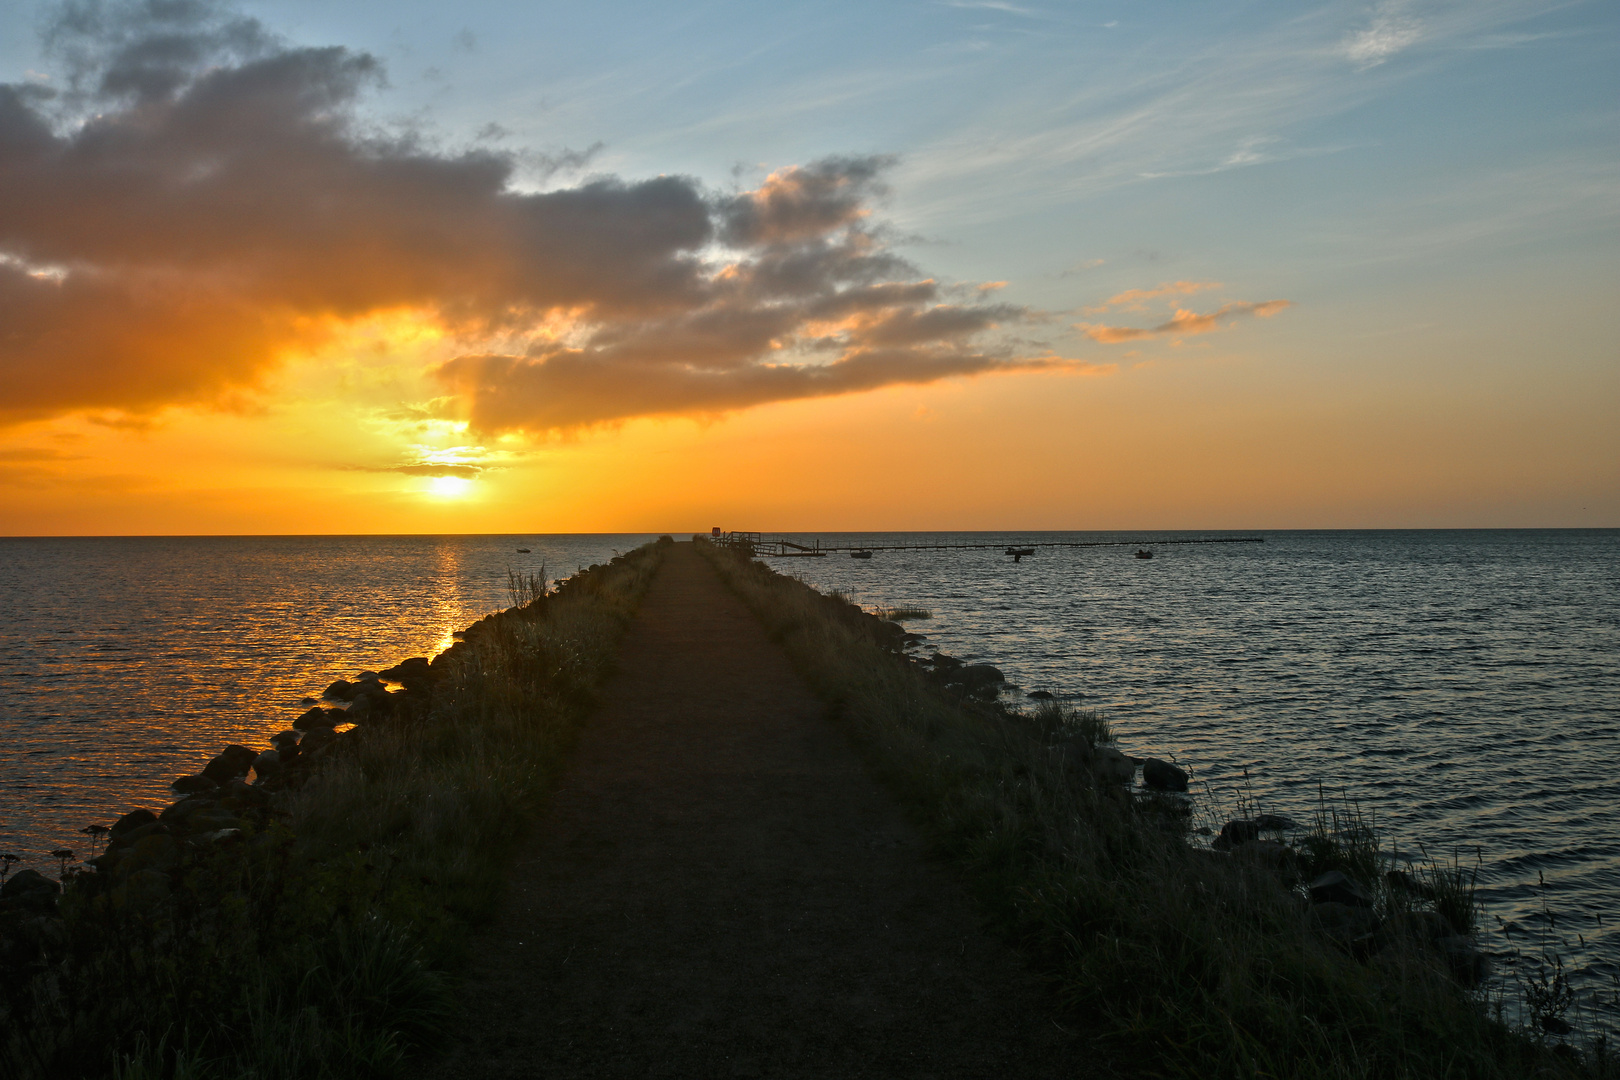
523 551
1143 553
1019 553
860 554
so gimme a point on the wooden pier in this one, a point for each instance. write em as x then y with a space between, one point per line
777 547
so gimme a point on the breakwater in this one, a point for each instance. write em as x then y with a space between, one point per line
1458 684
293 909
126 661
1199 958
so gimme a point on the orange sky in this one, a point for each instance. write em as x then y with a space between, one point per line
232 302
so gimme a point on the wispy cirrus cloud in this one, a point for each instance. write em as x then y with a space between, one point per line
1184 323
202 201
1392 29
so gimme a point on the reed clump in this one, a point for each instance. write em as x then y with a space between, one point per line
315 940
903 613
1173 959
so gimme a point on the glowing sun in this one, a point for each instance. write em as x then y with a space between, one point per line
449 487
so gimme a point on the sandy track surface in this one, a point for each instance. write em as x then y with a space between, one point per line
720 889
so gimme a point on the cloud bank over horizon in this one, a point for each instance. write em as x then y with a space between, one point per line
193 201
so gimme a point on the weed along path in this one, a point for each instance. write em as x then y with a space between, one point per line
720 889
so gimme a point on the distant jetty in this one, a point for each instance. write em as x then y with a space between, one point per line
759 545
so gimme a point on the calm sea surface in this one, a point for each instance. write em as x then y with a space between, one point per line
1463 687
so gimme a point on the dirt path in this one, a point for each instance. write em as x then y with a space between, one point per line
720 889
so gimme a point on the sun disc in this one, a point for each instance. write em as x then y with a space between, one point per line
449 487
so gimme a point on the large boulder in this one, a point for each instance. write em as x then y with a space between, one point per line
341 690
132 820
230 763
267 764
1163 776
975 676
160 852
246 794
149 829
315 718
415 673
193 785
30 887
1335 887
1235 832
1111 766
207 821
316 740
178 812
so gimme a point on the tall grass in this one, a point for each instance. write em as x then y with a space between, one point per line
318 945
1174 960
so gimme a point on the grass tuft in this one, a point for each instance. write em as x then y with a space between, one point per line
903 614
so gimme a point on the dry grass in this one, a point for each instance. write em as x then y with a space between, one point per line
1175 960
318 945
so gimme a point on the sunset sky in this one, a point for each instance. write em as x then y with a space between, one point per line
533 267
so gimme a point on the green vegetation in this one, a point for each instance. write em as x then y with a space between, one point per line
314 941
1173 959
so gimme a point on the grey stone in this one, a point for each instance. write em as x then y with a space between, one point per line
193 785
160 852
974 676
316 740
267 764
247 793
132 820
25 883
1111 766
1163 776
1234 832
341 690
1334 887
231 762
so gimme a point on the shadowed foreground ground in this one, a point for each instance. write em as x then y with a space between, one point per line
720 889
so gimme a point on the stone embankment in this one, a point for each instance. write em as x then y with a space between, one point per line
233 803
1385 909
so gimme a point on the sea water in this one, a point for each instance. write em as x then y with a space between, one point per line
1461 688
126 662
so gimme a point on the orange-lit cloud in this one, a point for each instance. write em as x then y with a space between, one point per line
203 204
1136 299
1183 323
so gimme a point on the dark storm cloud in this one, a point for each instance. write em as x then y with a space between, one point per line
200 198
